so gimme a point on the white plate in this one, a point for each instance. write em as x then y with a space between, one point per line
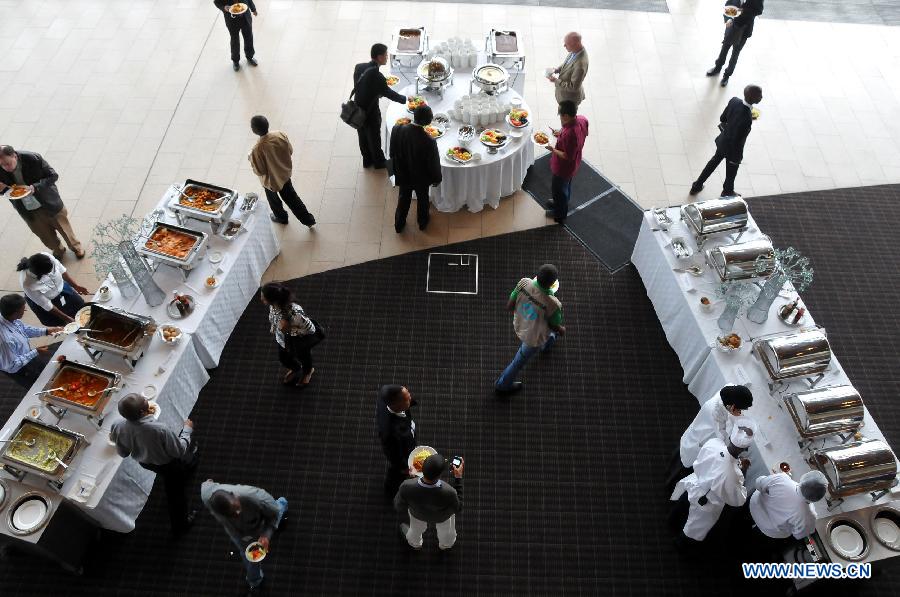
149 393
246 7
521 126
215 256
84 315
27 194
159 332
247 552
489 144
409 461
847 541
887 530
157 411
214 286
104 298
29 514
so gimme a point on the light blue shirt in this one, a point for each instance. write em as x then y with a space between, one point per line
571 57
15 351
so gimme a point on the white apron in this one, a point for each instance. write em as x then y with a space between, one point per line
712 421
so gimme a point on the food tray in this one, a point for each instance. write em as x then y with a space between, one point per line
76 398
35 458
214 212
187 245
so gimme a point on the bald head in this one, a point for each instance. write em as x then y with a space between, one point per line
572 41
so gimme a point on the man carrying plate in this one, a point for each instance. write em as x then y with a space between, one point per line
239 24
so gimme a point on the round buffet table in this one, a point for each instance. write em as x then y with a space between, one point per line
477 183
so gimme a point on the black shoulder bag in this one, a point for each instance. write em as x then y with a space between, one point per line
351 112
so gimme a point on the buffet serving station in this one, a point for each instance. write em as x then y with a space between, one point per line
809 414
61 475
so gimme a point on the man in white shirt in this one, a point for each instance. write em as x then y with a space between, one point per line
782 508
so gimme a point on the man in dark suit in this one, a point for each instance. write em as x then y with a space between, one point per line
241 24
737 31
370 86
41 208
417 166
735 124
397 432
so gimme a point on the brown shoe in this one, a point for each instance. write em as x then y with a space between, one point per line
79 254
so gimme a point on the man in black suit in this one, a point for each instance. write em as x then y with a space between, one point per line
241 24
737 31
397 432
370 86
417 166
735 124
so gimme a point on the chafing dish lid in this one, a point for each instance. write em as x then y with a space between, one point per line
743 258
797 350
490 74
860 462
839 405
716 215
424 70
505 43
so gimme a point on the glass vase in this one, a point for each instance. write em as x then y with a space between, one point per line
759 311
726 319
127 287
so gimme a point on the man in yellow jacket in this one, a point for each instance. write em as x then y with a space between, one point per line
270 159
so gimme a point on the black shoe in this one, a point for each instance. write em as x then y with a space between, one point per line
724 81
551 204
380 166
308 220
423 225
713 71
278 220
515 387
552 214
367 164
236 66
398 228
729 193
252 62
696 188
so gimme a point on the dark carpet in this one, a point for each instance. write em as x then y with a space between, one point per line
562 486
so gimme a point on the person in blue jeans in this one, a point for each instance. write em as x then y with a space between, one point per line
249 514
537 319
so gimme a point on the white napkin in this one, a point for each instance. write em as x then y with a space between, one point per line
684 282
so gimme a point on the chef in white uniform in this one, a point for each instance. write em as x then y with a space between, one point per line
717 480
715 419
781 507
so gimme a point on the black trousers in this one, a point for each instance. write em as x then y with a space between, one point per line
297 354
240 25
28 374
731 170
395 475
175 479
73 302
370 139
289 196
404 200
735 38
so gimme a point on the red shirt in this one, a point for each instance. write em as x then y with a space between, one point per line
571 141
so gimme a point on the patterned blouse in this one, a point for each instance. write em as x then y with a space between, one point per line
298 323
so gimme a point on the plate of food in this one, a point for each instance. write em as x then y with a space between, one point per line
754 113
402 121
418 457
440 119
169 333
729 343
541 138
154 409
211 282
232 229
459 154
681 248
19 191
731 11
391 80
181 306
435 132
493 138
238 8
83 316
255 552
465 133
518 118
414 102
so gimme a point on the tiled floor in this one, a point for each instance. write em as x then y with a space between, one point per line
124 98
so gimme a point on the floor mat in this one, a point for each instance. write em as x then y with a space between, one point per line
588 183
608 227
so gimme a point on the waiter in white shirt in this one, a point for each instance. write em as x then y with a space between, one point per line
782 508
51 293
715 419
717 480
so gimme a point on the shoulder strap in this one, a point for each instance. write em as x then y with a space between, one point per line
364 73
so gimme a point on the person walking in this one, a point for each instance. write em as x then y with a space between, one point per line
417 167
568 78
51 293
370 86
537 320
271 161
735 124
397 432
18 359
565 158
239 24
737 31
295 333
428 500
249 515
41 207
159 449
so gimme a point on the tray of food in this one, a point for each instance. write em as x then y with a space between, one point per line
435 132
84 387
435 70
729 343
232 229
255 552
238 8
115 328
391 80
731 11
459 154
493 138
541 138
174 244
39 448
19 191
202 200
418 457
518 118
414 102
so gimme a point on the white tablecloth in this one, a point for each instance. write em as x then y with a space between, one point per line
692 333
475 184
178 372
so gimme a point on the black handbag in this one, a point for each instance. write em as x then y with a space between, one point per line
351 112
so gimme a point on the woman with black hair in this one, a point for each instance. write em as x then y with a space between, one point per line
49 290
295 333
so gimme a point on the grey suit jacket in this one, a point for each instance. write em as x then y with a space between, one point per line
570 84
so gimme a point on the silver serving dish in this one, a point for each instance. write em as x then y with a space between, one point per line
728 214
130 336
147 247
859 467
752 259
89 407
826 411
18 459
490 78
885 523
428 76
504 43
36 520
410 41
798 354
215 213
833 533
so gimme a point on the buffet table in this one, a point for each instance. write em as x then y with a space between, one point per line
109 490
692 333
477 183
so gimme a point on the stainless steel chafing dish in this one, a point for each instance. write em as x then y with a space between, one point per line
727 214
19 458
410 41
752 259
490 78
81 379
129 336
797 354
215 213
860 467
826 411
434 75
505 48
185 258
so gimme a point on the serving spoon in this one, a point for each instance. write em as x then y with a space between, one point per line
52 456
50 390
27 442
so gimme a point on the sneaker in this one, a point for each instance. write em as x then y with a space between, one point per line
404 528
